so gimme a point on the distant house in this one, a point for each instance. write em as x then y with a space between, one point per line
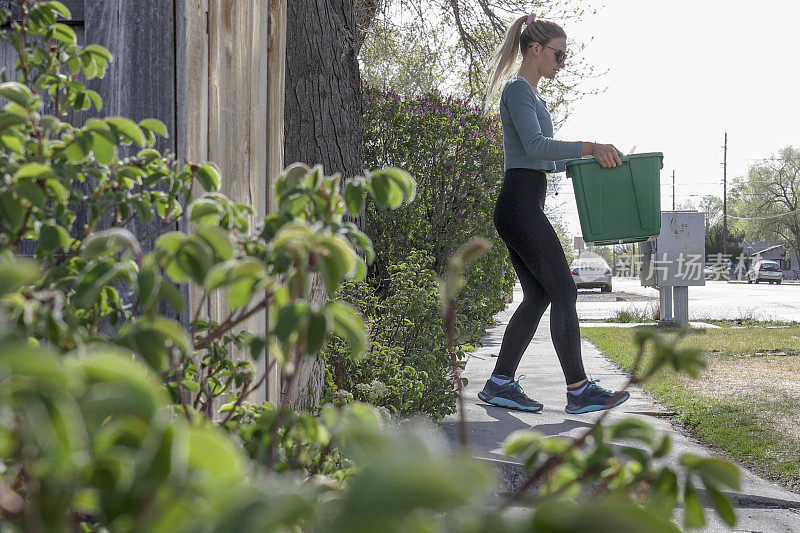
777 251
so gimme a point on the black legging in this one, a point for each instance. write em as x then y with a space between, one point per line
542 270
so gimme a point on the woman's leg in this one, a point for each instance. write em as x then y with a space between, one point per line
524 321
535 242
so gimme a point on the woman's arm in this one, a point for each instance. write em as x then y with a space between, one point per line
522 108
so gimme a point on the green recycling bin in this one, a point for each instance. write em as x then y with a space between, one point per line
620 204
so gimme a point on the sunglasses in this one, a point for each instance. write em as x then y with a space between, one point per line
561 55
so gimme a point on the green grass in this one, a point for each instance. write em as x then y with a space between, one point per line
632 314
749 322
728 406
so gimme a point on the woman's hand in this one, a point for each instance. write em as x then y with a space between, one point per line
605 154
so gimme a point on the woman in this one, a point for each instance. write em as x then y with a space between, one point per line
536 253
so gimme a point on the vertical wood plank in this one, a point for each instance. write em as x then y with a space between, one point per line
192 99
141 81
237 107
276 87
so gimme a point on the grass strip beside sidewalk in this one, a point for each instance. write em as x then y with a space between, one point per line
746 402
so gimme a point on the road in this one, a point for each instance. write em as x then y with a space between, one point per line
716 300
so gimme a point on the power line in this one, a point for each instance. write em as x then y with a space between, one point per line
764 218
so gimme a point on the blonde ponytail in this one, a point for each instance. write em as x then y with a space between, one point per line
518 39
504 59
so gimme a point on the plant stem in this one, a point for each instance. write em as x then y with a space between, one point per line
245 393
449 321
231 323
555 460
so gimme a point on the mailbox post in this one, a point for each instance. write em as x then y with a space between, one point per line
674 261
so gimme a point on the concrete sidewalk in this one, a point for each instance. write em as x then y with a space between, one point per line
762 505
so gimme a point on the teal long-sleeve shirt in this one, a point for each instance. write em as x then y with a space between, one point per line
528 131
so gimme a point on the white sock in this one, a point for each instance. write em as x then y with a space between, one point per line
579 389
500 380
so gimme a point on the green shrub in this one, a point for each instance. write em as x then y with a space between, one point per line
455 153
406 367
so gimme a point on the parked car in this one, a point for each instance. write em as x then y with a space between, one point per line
716 272
765 270
591 273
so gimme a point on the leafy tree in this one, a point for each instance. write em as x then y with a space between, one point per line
711 205
768 199
456 40
714 241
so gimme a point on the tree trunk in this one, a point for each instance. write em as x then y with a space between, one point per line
323 122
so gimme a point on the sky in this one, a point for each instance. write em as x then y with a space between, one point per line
680 75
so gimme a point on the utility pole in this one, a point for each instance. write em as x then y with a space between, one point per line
673 190
725 197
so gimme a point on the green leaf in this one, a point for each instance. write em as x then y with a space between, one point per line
99 276
128 128
53 237
218 239
633 428
11 211
104 151
385 192
64 33
289 318
12 142
402 180
109 242
60 8
118 385
361 270
354 197
78 147
209 177
7 120
32 362
16 274
172 296
241 293
57 189
20 94
257 345
215 457
713 471
149 281
96 99
191 385
348 324
96 50
175 334
318 327
723 506
155 126
233 271
522 441
663 448
74 65
32 192
693 508
204 210
35 171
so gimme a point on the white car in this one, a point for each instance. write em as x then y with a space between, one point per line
591 273
765 270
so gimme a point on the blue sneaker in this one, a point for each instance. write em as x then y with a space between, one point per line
594 398
509 395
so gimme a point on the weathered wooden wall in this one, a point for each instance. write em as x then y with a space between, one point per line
232 91
213 72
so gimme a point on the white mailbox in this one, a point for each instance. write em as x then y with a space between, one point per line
674 261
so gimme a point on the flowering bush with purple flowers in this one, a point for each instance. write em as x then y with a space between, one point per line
456 155
455 152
